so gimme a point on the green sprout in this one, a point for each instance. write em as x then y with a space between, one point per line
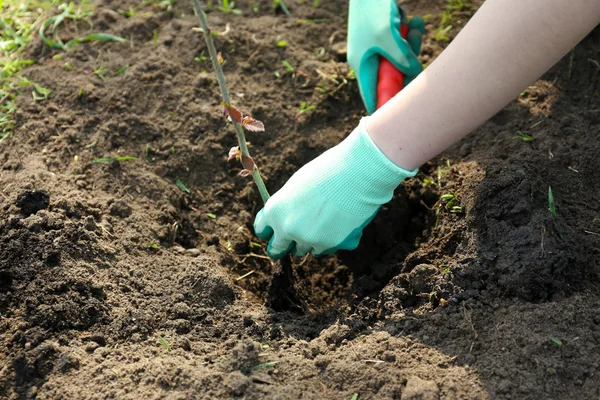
556 341
524 137
280 4
228 7
288 66
264 365
101 71
182 186
304 109
122 70
40 93
441 33
551 204
113 159
164 343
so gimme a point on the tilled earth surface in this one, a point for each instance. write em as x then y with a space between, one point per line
117 283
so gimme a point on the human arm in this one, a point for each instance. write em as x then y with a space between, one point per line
505 46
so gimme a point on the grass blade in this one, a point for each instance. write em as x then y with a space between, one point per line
93 37
48 42
551 204
182 186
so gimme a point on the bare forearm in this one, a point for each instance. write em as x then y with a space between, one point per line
507 45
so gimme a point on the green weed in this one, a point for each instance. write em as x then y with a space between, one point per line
556 341
40 93
182 186
288 67
264 365
106 160
281 4
228 7
122 70
164 343
524 137
452 7
551 205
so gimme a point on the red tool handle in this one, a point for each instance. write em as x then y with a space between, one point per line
390 81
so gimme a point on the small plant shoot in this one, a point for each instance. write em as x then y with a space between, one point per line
232 114
551 204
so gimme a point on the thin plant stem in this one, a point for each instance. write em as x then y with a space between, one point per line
284 8
260 184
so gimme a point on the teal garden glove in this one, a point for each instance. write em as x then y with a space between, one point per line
373 31
326 204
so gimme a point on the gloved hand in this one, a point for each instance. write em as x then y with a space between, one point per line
326 204
373 31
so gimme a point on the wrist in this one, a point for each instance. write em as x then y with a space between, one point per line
357 176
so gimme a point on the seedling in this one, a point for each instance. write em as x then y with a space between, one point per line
233 114
114 159
57 42
551 205
264 365
229 7
201 58
281 4
40 93
556 341
441 33
288 66
354 396
211 215
304 108
448 202
279 42
182 186
164 343
452 6
122 70
524 137
101 71
154 246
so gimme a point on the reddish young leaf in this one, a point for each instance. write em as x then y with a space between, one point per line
232 112
248 162
252 124
234 152
244 173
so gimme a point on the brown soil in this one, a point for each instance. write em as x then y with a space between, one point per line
498 300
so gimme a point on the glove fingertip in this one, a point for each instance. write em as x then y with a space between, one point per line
277 253
417 23
261 229
415 39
